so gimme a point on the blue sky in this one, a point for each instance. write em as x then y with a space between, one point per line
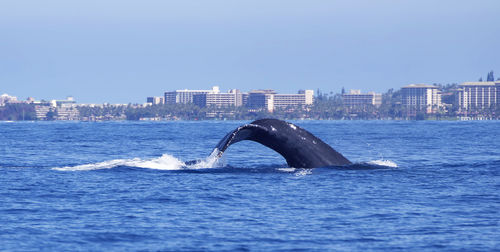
122 51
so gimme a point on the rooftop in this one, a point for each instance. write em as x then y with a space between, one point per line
480 83
214 89
263 91
358 92
420 86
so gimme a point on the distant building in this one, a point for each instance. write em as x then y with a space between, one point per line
268 99
70 101
478 95
154 100
67 112
421 97
261 99
356 99
244 99
61 109
232 98
302 98
186 95
42 110
238 97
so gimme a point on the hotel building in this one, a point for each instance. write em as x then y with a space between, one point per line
155 100
232 98
186 95
261 99
356 99
478 95
268 99
421 97
302 98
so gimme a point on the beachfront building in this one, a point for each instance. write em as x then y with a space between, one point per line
154 100
261 99
357 99
70 101
60 109
233 97
67 112
478 95
268 99
302 98
186 95
42 110
421 97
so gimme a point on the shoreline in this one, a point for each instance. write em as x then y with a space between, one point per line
239 120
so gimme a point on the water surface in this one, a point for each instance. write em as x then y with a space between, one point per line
122 186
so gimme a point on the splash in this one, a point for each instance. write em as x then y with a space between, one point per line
298 172
386 163
303 172
287 169
165 162
216 159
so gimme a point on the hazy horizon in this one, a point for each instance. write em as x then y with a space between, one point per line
123 51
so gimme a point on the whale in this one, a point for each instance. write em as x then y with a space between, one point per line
299 147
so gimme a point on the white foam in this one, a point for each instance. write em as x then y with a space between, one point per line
209 162
298 172
165 162
303 172
288 169
386 163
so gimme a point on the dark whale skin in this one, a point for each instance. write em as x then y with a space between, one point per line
300 148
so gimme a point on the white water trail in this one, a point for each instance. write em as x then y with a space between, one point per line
165 162
385 163
303 172
287 169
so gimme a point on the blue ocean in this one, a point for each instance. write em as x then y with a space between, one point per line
121 186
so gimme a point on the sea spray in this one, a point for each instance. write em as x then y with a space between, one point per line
385 163
165 162
215 159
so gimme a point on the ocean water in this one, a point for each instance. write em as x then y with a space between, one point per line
425 185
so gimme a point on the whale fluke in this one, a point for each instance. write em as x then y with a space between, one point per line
300 148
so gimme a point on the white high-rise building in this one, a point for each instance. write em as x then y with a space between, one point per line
355 99
270 100
231 98
257 99
302 98
154 100
421 97
478 95
186 95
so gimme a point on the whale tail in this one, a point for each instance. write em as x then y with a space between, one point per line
300 148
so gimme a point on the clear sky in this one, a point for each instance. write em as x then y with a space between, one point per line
121 51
